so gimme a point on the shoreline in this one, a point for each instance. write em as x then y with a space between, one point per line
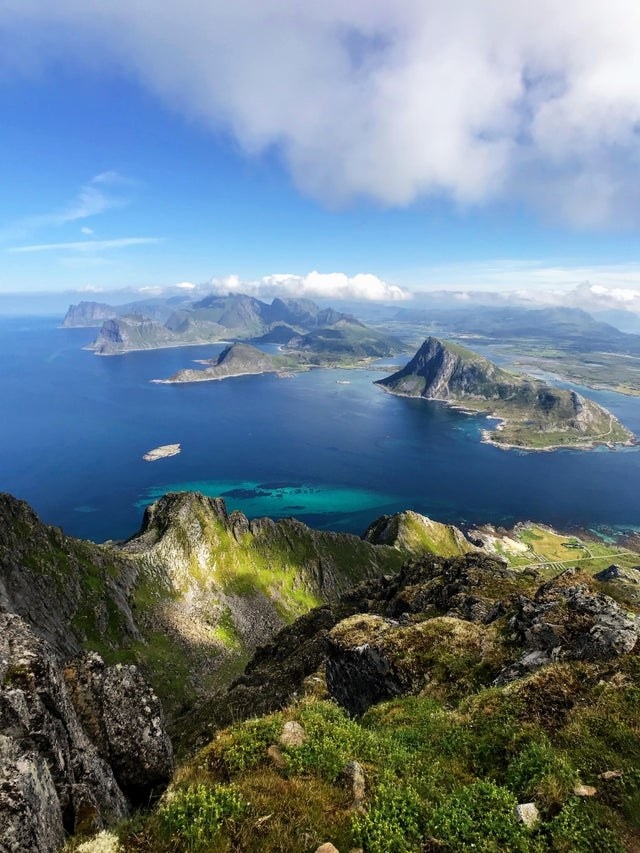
486 437
212 378
89 348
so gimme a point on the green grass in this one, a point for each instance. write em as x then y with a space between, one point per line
445 776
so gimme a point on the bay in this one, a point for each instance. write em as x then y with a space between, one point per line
325 446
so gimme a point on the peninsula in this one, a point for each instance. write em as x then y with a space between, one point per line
534 415
235 360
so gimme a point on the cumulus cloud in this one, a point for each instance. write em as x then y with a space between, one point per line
336 285
392 101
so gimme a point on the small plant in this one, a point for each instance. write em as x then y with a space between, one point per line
480 818
394 822
245 745
193 817
578 830
333 739
540 772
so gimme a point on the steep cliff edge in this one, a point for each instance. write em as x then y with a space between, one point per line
56 776
535 414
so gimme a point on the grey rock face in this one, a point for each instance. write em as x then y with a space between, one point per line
73 742
568 621
53 778
30 816
124 716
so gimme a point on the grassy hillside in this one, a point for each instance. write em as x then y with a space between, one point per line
443 765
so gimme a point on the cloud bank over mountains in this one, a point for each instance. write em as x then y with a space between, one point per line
337 285
533 103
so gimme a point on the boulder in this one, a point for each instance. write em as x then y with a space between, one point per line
527 814
125 718
293 734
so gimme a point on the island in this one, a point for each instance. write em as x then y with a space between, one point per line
162 452
533 415
235 360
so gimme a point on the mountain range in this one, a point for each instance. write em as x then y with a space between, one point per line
305 328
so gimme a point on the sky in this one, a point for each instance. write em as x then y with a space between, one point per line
353 150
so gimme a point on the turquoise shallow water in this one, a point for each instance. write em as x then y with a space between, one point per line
257 499
74 427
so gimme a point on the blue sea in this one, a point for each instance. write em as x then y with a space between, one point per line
326 446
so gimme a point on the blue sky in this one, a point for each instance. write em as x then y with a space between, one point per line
426 148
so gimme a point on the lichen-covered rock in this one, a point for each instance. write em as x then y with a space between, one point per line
124 716
50 769
567 620
30 815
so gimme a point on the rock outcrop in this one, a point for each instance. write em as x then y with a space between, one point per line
58 774
568 620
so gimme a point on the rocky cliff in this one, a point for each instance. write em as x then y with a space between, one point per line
80 742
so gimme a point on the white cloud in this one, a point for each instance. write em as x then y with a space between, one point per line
392 101
86 231
186 285
85 245
593 288
337 285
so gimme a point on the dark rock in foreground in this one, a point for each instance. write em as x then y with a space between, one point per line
56 776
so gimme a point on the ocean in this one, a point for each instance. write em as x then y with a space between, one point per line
325 446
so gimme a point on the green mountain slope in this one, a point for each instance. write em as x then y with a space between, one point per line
427 708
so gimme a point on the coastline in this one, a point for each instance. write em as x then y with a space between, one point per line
486 435
212 378
89 347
